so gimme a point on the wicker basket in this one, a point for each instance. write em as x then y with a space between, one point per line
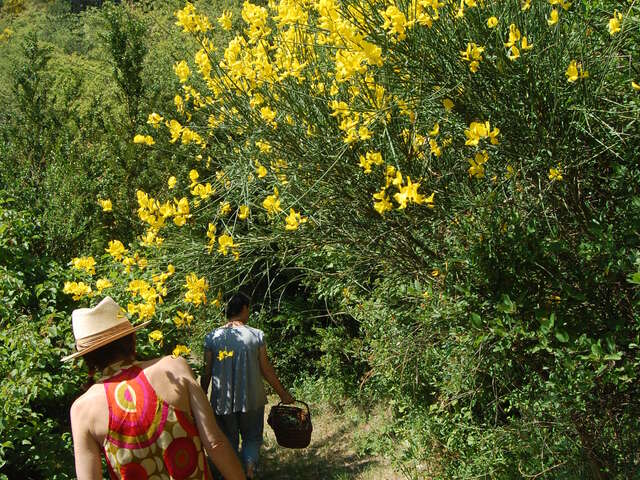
291 425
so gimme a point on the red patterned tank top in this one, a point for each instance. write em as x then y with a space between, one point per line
148 438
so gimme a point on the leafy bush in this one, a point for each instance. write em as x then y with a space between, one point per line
460 179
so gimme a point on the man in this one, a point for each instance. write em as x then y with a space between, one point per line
235 356
150 418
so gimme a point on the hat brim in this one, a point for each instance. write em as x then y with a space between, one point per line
105 341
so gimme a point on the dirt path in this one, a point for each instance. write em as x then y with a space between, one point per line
331 454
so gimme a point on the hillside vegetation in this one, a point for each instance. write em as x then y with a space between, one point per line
434 206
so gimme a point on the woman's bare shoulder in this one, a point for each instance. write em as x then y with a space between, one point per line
86 404
176 366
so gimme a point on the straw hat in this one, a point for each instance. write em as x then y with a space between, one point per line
95 327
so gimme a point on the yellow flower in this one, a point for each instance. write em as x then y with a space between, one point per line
175 129
492 22
226 242
196 289
103 284
182 319
525 45
526 5
575 71
473 55
105 204
225 20
180 350
614 23
448 104
225 208
635 86
181 69
261 171
382 204
154 119
555 174
477 164
514 35
272 203
156 336
513 53
435 272
116 249
172 182
435 131
77 289
145 139
243 212
88 264
553 18
293 220
222 354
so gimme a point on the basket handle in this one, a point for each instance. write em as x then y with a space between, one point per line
295 400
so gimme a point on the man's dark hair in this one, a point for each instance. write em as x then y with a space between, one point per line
119 349
236 304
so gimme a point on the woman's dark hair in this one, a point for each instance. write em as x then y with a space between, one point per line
236 304
119 349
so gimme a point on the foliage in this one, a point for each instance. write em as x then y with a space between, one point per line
33 427
453 186
459 179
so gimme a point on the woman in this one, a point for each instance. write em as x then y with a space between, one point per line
150 419
235 357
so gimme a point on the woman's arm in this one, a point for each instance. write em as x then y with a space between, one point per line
86 450
205 377
214 441
270 376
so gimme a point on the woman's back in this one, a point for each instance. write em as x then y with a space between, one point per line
147 436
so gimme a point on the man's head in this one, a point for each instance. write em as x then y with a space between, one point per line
236 305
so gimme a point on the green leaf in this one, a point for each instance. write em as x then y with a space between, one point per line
562 336
634 278
476 321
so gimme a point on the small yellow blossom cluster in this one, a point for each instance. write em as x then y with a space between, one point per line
190 21
88 264
370 159
144 139
149 295
615 23
116 249
476 132
272 203
515 36
106 205
480 130
575 71
202 191
180 350
182 319
293 220
407 193
5 34
473 55
77 289
155 213
196 289
226 245
222 354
